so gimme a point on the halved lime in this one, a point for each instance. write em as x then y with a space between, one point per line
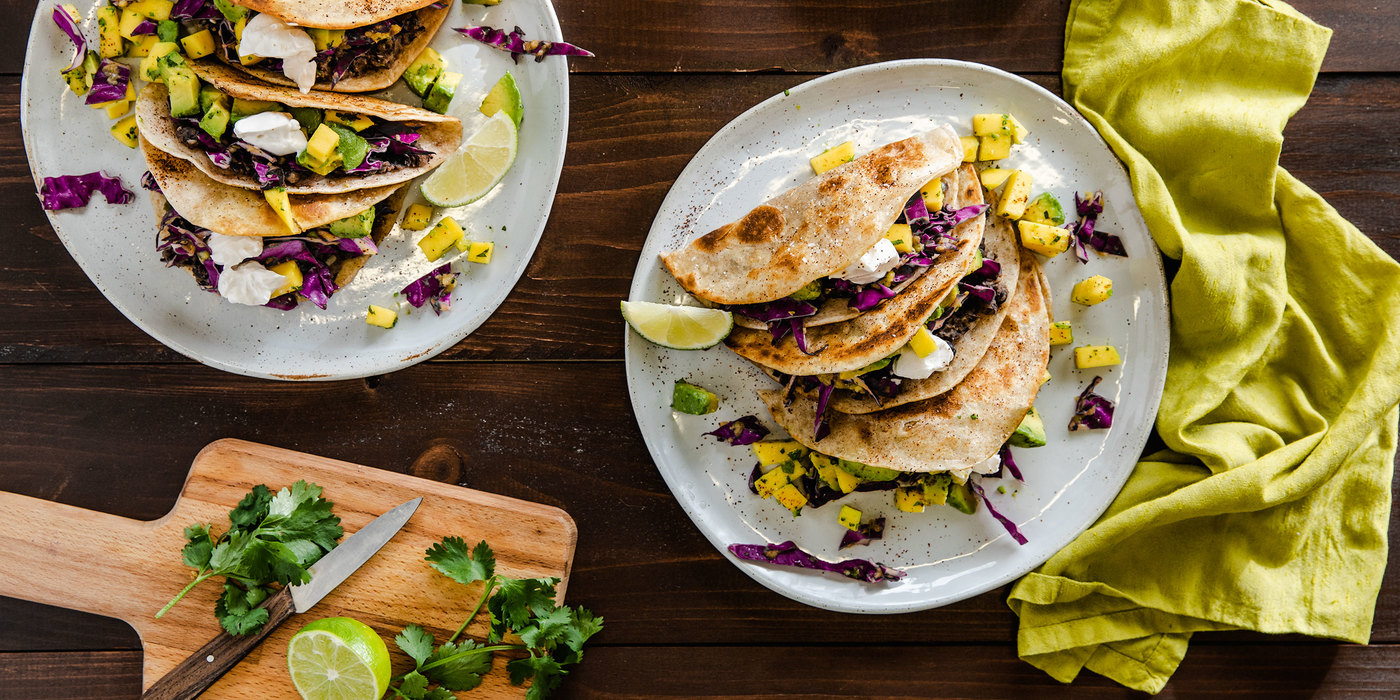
338 658
476 167
678 327
504 97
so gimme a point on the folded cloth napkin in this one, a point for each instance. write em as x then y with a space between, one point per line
1269 508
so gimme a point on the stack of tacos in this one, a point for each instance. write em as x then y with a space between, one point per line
925 361
269 195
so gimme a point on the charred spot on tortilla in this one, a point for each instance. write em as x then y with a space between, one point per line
761 225
832 185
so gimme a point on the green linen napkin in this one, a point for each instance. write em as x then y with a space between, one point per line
1269 508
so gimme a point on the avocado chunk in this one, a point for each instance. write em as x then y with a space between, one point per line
183 85
867 472
1030 433
357 226
308 117
808 292
936 488
960 496
306 160
246 108
424 71
353 147
692 399
215 121
168 30
504 97
1044 209
210 95
230 11
440 96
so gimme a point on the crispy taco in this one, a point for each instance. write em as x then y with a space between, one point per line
246 134
957 337
957 431
236 246
329 45
878 332
834 223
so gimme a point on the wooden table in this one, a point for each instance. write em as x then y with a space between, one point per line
534 404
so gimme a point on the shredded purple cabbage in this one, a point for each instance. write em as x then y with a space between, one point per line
516 43
1005 521
318 283
186 9
74 32
865 532
820 426
776 310
1083 232
799 336
1009 464
148 182
74 191
145 27
788 554
936 232
990 268
916 209
753 478
981 291
1091 410
870 297
434 288
744 431
109 82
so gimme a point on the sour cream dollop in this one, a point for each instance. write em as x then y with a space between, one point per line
881 258
249 283
910 366
277 133
231 250
269 37
989 465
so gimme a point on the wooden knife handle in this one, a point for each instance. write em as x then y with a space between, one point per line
195 674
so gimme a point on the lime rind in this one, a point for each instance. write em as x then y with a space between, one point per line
678 327
477 167
338 658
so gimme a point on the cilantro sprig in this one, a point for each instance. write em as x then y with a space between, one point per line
271 539
552 635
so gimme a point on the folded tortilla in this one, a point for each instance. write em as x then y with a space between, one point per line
941 434
980 328
815 229
349 15
879 332
438 134
235 211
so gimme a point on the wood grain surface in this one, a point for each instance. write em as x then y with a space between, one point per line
534 404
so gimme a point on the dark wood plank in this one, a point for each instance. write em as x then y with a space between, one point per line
1255 670
630 137
120 439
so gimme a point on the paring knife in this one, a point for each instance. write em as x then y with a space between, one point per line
195 674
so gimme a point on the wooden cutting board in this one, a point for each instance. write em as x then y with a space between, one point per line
99 563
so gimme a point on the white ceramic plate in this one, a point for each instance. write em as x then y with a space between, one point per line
115 244
948 556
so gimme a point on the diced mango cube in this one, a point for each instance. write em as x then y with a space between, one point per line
109 34
970 145
358 122
770 452
323 142
1018 132
1041 238
480 252
993 177
922 343
993 147
1095 290
933 194
149 68
128 22
771 481
141 46
381 317
791 498
909 499
1061 333
834 156
1015 195
199 44
902 237
849 517
846 481
152 9
443 236
992 124
125 131
1090 356
289 270
1046 379
116 109
417 217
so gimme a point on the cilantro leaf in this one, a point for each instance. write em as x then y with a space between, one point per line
516 600
416 642
251 509
547 629
450 556
237 609
201 545
457 666
544 673
585 625
414 686
439 694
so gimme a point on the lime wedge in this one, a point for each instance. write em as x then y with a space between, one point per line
504 97
678 327
337 658
476 167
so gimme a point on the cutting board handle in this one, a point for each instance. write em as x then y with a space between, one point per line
72 557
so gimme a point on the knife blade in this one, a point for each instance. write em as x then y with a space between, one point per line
195 674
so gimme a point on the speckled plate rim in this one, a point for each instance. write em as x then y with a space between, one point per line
434 343
775 578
